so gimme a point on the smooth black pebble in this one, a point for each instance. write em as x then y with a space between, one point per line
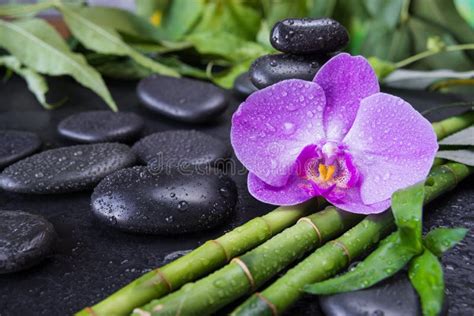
182 99
66 169
308 36
392 297
181 148
15 145
270 69
25 240
101 126
243 86
140 201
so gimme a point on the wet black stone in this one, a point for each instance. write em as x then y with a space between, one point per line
140 201
243 86
25 240
101 126
270 69
66 169
182 99
15 145
309 36
391 297
181 148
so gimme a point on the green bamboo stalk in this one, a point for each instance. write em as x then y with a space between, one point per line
203 260
453 124
254 268
337 254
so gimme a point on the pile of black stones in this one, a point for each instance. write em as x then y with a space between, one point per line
305 45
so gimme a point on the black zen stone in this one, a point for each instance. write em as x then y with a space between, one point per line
181 148
308 36
25 240
270 69
243 86
170 203
15 145
182 99
66 169
391 297
101 126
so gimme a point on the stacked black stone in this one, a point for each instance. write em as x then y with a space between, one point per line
306 44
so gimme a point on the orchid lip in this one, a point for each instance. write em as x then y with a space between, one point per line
327 167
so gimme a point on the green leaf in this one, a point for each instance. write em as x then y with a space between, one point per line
444 14
322 8
36 83
382 68
38 46
226 46
227 80
407 209
464 137
426 276
387 11
276 10
390 256
122 21
464 156
103 39
14 9
440 240
230 17
181 16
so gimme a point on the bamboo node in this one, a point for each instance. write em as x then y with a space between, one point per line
268 225
246 270
165 280
268 303
90 311
141 312
456 180
227 257
315 228
344 249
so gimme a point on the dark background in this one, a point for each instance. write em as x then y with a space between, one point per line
90 261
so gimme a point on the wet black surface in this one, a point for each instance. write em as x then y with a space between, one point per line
91 260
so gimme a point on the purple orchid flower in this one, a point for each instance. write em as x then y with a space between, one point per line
336 137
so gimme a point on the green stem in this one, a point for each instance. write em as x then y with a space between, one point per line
203 260
256 267
336 255
429 53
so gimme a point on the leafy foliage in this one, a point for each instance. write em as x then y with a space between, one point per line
196 35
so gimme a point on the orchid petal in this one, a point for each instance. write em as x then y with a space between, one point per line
392 145
270 129
352 202
290 194
346 80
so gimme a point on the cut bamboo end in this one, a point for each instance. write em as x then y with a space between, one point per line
90 311
246 271
224 251
313 226
165 280
344 248
268 303
141 312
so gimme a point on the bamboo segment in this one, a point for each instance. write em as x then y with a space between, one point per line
453 124
210 256
334 256
244 274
